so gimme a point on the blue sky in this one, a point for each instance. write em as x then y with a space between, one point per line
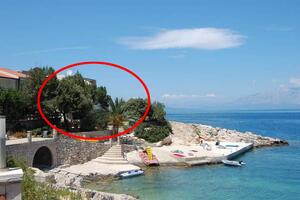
191 54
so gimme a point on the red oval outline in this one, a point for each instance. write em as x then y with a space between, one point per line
94 63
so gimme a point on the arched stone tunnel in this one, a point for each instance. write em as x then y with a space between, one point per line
41 154
43 158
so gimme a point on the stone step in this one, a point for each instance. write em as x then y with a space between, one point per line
113 156
114 152
111 161
109 158
116 147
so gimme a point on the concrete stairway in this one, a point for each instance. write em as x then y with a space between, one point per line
113 156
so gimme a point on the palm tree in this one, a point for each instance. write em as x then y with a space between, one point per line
117 115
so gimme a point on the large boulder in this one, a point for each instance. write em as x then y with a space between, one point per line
167 141
41 176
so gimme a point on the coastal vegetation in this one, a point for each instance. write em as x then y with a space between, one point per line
32 189
12 105
155 127
75 104
117 115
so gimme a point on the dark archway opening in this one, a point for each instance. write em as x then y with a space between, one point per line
42 158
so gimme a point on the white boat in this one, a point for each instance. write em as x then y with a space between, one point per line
131 173
233 163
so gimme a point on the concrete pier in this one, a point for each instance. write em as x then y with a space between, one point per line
194 154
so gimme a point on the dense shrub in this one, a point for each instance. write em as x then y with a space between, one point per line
31 189
36 132
12 105
155 127
152 133
19 134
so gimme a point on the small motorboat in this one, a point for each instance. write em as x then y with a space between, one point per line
131 173
233 163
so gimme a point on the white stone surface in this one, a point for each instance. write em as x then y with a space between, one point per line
193 153
96 168
10 183
10 175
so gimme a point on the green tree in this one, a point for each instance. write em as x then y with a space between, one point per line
12 105
117 115
102 119
101 98
155 127
157 113
73 100
30 90
89 121
101 107
135 109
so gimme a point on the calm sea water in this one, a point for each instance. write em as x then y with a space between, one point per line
270 173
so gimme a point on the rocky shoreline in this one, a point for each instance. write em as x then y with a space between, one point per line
75 183
188 134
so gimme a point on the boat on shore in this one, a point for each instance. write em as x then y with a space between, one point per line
131 173
233 163
148 160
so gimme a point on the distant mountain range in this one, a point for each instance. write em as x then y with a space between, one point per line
283 98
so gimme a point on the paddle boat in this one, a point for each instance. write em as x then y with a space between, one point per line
233 163
148 157
131 173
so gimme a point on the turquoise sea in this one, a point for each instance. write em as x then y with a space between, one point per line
270 173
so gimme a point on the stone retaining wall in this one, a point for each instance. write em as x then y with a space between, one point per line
63 150
70 151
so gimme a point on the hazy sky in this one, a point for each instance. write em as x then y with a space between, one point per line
190 53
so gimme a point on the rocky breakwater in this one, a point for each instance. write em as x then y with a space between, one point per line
189 134
74 182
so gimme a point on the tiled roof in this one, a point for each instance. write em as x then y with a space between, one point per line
8 73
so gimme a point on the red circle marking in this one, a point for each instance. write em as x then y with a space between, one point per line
94 63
